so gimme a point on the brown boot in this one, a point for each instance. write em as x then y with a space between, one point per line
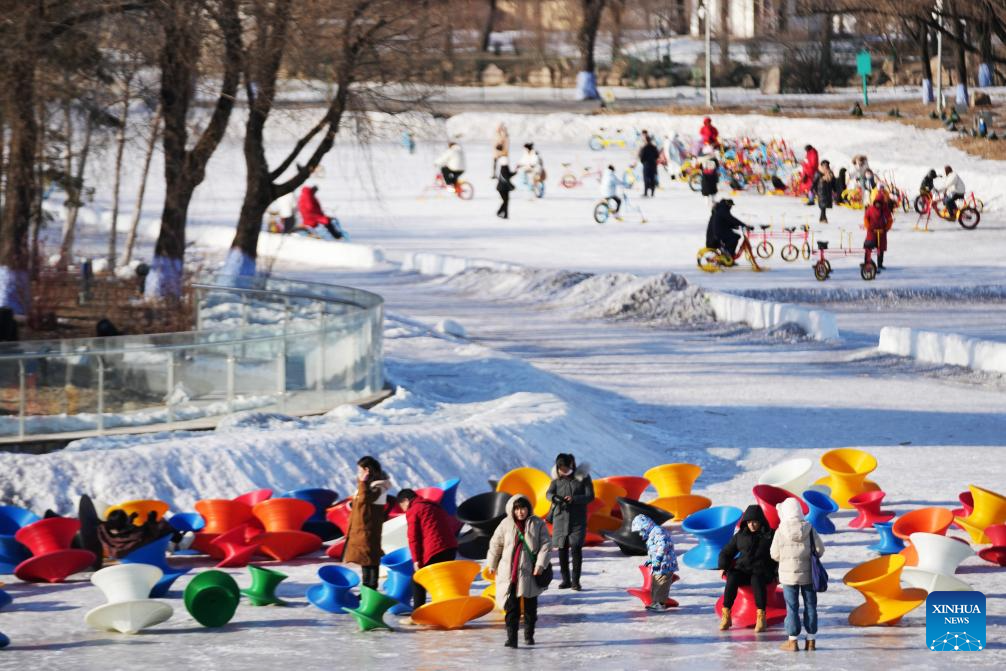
811 644
760 621
725 620
790 645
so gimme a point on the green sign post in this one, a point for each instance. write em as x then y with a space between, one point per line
864 68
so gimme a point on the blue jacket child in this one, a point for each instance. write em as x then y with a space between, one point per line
660 548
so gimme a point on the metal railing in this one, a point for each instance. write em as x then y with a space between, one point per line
271 345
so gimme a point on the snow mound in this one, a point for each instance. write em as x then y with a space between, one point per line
948 349
264 421
818 324
450 327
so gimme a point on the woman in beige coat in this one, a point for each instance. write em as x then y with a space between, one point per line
792 544
518 551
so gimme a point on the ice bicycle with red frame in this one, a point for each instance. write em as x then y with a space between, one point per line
867 269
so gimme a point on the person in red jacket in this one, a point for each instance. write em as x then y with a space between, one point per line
710 135
311 214
809 172
432 536
878 218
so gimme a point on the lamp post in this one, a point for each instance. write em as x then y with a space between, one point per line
939 56
703 15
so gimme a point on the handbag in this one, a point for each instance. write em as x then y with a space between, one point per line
547 575
818 574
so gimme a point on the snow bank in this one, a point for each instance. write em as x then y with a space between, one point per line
818 324
298 249
426 263
948 349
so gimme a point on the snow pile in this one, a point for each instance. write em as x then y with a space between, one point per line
818 324
299 249
450 327
441 264
948 349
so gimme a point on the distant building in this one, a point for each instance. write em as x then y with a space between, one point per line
747 19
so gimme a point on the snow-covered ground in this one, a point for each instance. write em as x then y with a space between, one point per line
583 338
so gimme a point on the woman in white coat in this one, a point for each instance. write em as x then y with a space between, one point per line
518 551
792 544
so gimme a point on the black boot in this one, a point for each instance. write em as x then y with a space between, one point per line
530 619
511 637
564 568
577 566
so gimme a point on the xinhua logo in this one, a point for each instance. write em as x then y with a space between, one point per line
955 621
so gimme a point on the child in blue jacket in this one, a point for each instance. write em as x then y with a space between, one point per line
660 558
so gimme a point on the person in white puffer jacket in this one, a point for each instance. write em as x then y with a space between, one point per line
791 547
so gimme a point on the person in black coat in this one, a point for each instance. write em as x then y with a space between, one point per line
840 184
710 175
746 561
504 186
648 156
570 492
824 190
721 232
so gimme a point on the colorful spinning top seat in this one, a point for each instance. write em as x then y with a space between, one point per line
13 553
321 499
142 508
793 475
847 468
449 585
211 598
339 516
768 497
644 593
394 534
634 485
282 519
888 544
154 553
989 509
483 513
52 558
713 527
996 554
939 558
967 505
820 506
879 581
599 517
222 515
254 497
868 506
5 598
529 482
398 584
4 640
373 606
673 479
129 609
236 548
449 502
928 520
262 591
744 613
628 541
186 522
682 506
333 594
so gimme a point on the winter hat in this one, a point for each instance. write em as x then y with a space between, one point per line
642 525
790 510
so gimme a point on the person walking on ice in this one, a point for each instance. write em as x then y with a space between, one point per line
518 551
660 558
570 492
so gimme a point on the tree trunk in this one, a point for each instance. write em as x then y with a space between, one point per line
138 210
587 35
487 27
185 169
120 145
616 9
826 55
19 194
724 37
961 55
924 53
986 71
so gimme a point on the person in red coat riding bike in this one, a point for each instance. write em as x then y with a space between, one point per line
432 536
809 172
878 219
311 214
709 134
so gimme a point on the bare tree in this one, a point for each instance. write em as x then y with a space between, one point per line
187 32
586 39
155 128
488 26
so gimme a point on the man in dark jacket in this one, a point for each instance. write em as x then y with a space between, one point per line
570 493
648 156
721 231
504 186
431 533
746 561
